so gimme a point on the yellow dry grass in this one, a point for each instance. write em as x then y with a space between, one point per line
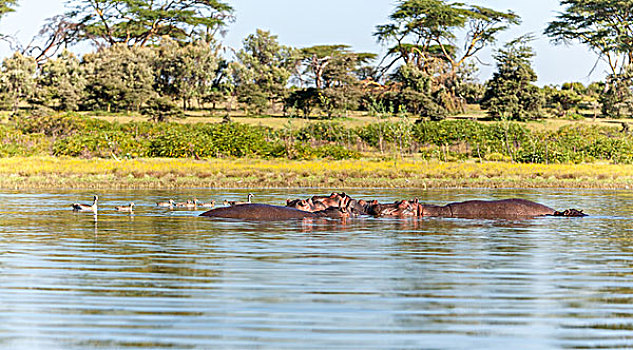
51 172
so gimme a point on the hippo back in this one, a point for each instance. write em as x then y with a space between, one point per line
514 207
255 211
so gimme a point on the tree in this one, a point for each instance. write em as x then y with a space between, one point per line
565 99
334 72
17 80
425 30
262 70
603 25
510 93
416 93
119 78
61 82
326 66
425 33
139 23
186 71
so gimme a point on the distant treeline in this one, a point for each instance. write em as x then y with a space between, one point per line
445 140
163 57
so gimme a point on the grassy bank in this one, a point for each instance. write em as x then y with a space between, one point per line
68 173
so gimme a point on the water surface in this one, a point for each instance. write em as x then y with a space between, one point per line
162 279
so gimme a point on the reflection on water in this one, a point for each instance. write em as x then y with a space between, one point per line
170 279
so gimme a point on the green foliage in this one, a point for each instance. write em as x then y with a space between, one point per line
14 143
119 78
447 140
261 72
602 25
185 72
55 126
17 80
215 140
139 23
510 94
304 100
101 144
61 83
161 109
324 131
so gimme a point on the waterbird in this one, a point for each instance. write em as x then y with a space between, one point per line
207 205
86 207
232 203
192 204
125 208
184 204
169 204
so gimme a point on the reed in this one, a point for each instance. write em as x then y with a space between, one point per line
163 173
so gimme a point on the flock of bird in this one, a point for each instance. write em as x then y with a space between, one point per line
189 204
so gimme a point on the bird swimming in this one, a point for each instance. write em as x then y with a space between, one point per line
86 207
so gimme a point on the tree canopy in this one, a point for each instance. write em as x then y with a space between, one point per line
426 30
137 22
603 25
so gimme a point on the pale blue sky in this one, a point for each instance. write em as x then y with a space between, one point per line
301 23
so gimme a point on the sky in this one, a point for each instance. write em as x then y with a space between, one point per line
302 23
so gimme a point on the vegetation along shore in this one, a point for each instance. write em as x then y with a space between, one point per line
20 173
161 103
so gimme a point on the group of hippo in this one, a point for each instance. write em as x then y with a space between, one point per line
340 205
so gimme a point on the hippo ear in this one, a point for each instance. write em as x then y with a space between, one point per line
334 194
374 202
288 201
416 200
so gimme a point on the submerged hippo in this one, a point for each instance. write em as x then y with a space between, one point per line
504 208
514 207
271 212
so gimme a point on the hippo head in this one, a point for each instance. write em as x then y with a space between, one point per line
399 209
335 213
300 204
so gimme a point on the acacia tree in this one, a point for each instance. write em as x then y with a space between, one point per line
425 33
604 26
331 73
138 23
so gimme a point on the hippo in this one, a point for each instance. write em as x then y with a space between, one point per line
300 204
271 212
504 208
395 209
318 203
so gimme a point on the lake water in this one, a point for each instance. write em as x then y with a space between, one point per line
162 279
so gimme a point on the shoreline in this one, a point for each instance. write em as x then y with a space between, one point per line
19 173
